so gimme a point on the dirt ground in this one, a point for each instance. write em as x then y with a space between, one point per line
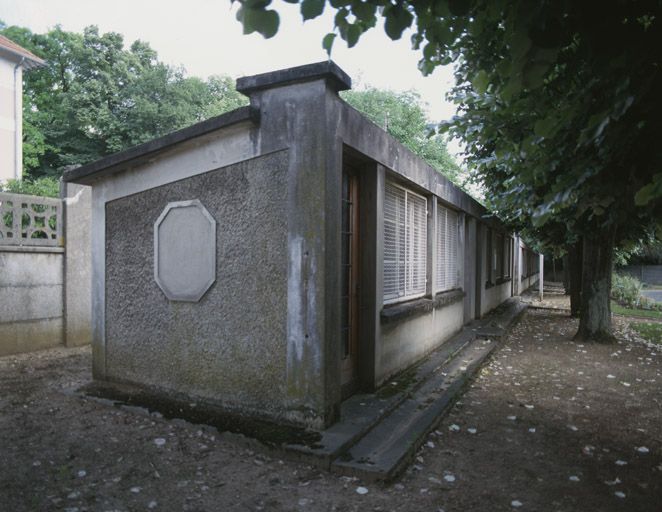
548 425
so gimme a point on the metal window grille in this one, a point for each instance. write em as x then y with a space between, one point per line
447 239
405 244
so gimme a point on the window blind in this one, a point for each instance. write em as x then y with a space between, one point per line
447 240
405 243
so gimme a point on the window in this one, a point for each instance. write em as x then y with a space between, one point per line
490 259
530 263
447 239
507 256
498 257
405 244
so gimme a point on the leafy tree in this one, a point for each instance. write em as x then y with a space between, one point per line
94 97
647 251
560 111
401 114
47 186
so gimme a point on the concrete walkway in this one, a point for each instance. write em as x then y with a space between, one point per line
378 434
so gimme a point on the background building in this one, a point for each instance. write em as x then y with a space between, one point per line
13 60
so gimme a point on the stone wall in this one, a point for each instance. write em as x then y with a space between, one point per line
78 264
31 291
44 288
234 338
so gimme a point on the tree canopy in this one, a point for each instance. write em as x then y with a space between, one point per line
401 114
95 97
559 108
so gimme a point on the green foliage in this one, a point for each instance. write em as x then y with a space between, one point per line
559 106
626 290
647 252
45 186
401 114
649 331
95 97
617 309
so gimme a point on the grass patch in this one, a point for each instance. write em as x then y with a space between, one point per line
650 332
646 313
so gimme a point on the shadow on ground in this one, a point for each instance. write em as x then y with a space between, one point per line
548 424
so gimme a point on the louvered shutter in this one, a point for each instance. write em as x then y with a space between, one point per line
394 242
442 243
405 244
447 240
416 244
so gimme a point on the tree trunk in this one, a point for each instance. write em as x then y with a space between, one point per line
575 277
566 274
595 312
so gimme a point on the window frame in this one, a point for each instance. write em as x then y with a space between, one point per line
424 225
441 260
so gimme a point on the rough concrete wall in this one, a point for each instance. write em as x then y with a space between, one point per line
30 299
231 346
294 116
405 342
495 295
528 282
357 131
78 264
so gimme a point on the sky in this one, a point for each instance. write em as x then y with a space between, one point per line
204 37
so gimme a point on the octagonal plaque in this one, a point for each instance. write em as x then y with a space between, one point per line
185 250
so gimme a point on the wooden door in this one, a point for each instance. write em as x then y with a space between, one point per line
349 326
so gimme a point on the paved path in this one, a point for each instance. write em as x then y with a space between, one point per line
655 295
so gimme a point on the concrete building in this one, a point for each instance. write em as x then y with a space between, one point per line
13 60
281 257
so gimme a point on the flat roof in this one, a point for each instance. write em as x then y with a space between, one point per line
136 155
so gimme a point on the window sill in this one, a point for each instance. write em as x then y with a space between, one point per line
503 280
411 309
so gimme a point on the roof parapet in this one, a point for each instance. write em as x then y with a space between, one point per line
335 77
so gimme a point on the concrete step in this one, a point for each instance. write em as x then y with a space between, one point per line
360 413
386 449
498 322
378 433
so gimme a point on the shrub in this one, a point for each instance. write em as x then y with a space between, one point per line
626 290
46 186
